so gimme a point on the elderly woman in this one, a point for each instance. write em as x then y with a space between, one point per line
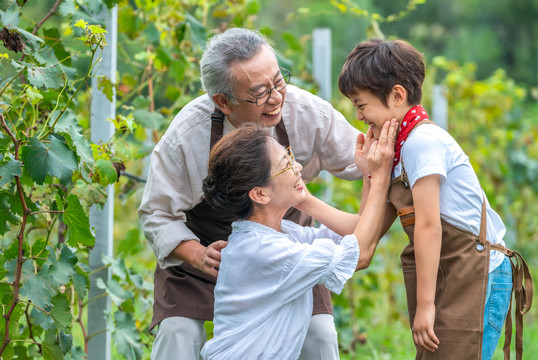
263 295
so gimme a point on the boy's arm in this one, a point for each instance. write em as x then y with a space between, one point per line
428 234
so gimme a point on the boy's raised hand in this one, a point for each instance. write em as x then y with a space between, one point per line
381 154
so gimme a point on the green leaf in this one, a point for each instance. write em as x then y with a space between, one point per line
252 7
131 244
6 215
105 172
61 313
9 170
4 4
54 159
51 346
39 289
80 145
62 269
149 119
197 31
93 193
124 336
33 94
42 319
32 43
50 77
66 342
292 41
81 282
78 224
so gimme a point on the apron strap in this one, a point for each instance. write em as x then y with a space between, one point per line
217 129
483 223
523 295
217 126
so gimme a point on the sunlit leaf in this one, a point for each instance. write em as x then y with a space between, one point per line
252 7
105 172
53 158
93 193
78 224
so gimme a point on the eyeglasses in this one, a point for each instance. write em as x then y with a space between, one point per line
280 84
291 165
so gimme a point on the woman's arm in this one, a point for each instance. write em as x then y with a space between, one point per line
428 235
368 226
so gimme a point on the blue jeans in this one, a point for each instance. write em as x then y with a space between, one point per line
497 303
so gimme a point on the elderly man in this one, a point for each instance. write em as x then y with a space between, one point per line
244 83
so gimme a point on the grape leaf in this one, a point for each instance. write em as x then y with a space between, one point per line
78 224
6 215
81 282
54 159
61 313
124 336
66 342
39 289
51 347
9 170
50 77
105 172
4 4
62 269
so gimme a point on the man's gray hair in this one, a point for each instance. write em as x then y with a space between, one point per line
221 52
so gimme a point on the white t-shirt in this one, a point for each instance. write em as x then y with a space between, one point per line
263 295
431 150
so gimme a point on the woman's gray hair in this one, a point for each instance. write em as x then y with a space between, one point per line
221 52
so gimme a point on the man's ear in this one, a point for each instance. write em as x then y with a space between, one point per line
398 95
259 195
222 102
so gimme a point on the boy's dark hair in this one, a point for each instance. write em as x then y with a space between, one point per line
377 65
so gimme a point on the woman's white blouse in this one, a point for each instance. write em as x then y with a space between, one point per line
263 295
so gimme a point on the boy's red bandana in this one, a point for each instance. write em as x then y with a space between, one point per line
410 120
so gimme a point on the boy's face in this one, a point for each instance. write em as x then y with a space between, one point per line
372 111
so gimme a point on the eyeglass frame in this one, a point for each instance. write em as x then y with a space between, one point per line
268 91
291 166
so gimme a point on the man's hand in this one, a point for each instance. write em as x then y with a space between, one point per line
423 334
206 259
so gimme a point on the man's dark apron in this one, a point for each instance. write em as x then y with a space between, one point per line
459 297
185 291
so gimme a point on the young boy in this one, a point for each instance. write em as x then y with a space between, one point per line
456 249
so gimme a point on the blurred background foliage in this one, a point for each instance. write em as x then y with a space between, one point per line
484 52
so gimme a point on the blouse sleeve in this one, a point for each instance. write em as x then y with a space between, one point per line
300 266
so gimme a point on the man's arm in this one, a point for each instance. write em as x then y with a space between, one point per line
428 235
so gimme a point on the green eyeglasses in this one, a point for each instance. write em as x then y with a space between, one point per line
291 165
280 84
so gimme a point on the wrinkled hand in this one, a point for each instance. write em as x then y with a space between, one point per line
208 258
381 153
423 334
362 147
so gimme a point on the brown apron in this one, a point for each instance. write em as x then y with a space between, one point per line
185 291
459 297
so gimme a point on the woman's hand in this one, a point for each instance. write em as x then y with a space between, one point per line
362 147
381 153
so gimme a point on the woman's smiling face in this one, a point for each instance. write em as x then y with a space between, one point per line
286 183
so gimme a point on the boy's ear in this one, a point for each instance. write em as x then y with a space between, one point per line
259 195
398 95
222 102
